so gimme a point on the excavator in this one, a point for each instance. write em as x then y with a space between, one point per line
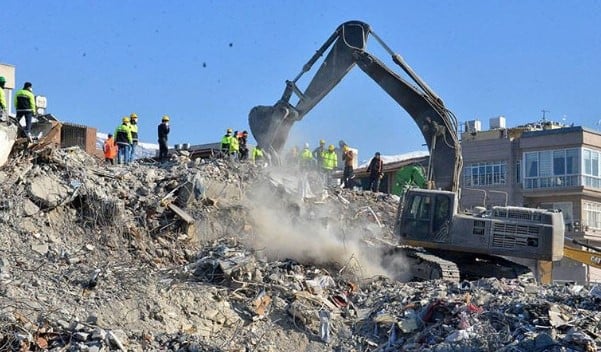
441 241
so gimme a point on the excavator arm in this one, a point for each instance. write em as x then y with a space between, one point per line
270 125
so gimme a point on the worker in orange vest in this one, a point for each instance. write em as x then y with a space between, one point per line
110 150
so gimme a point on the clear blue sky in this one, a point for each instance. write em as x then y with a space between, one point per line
207 63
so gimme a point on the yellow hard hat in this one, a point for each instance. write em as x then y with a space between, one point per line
165 118
346 148
331 148
125 119
322 142
133 115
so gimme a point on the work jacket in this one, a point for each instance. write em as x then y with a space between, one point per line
134 131
110 148
257 154
225 143
329 160
376 167
2 100
25 101
123 134
234 146
163 131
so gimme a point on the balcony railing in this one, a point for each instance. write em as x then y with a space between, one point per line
552 182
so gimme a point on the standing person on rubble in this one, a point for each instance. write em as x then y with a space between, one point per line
163 131
225 142
347 175
2 98
133 124
25 106
124 141
110 150
329 162
242 139
318 152
306 157
376 172
234 146
257 156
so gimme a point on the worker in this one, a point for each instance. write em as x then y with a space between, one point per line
318 152
376 172
257 155
133 125
292 157
124 141
226 141
163 132
234 146
347 175
2 98
329 159
242 139
306 157
25 106
110 150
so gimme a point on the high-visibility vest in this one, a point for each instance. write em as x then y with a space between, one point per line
329 160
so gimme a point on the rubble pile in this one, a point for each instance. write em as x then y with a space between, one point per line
215 255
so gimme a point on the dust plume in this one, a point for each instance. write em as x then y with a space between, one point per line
311 233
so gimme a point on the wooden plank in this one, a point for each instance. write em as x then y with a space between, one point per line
181 213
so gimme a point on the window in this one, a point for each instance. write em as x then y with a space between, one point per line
485 174
592 214
590 165
553 168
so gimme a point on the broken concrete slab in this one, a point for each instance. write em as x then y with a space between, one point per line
8 135
48 191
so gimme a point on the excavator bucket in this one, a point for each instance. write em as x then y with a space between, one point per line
270 125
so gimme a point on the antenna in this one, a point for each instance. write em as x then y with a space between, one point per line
545 114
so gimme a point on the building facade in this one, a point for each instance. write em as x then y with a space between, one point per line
542 165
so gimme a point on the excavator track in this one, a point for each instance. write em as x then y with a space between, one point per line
431 267
418 266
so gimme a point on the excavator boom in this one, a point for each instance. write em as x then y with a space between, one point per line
270 125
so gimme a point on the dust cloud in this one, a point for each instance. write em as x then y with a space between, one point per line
288 228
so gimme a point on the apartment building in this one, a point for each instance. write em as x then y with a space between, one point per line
539 165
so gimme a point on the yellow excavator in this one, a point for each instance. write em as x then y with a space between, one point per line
441 241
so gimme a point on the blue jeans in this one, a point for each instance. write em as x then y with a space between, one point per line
123 154
132 152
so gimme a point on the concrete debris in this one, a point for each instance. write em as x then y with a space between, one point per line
104 258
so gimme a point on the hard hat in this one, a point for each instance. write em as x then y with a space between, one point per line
346 148
331 148
165 118
2 79
229 130
306 145
133 115
125 119
322 142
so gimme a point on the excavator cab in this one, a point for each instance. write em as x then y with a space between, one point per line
426 215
